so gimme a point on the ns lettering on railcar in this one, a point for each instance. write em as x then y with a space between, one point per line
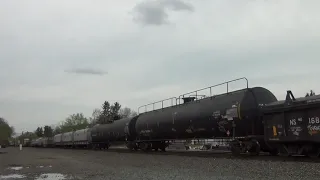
292 126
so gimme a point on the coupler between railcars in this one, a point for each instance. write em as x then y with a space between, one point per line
251 144
132 145
104 145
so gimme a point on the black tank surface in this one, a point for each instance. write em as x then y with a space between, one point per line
208 117
114 131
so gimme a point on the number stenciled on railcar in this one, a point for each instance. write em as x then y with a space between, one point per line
314 120
314 125
295 127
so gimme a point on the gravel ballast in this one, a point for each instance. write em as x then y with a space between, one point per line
39 163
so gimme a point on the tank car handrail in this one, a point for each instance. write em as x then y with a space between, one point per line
197 95
210 87
158 102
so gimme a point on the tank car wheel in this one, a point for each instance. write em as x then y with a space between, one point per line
130 148
235 147
145 146
314 154
274 152
89 146
133 146
94 147
254 149
163 146
107 146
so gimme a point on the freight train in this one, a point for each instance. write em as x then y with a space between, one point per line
251 118
41 142
4 143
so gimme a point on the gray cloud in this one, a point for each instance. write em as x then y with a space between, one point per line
155 12
86 71
273 44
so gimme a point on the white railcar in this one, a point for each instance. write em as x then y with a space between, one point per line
46 142
67 138
57 140
33 143
38 142
81 137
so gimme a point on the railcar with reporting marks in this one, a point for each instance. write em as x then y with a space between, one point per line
292 126
252 119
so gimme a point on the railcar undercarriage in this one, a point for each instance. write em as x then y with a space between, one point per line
252 145
147 145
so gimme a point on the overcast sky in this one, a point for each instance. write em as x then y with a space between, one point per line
61 57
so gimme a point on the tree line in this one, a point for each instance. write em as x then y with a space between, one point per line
6 131
106 114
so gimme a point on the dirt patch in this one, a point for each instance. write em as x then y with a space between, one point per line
12 176
47 158
14 165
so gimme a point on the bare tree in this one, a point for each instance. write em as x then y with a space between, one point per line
127 112
95 116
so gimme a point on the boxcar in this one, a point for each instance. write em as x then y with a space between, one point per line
57 140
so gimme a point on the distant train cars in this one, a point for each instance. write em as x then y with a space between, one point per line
42 142
251 118
4 143
79 138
